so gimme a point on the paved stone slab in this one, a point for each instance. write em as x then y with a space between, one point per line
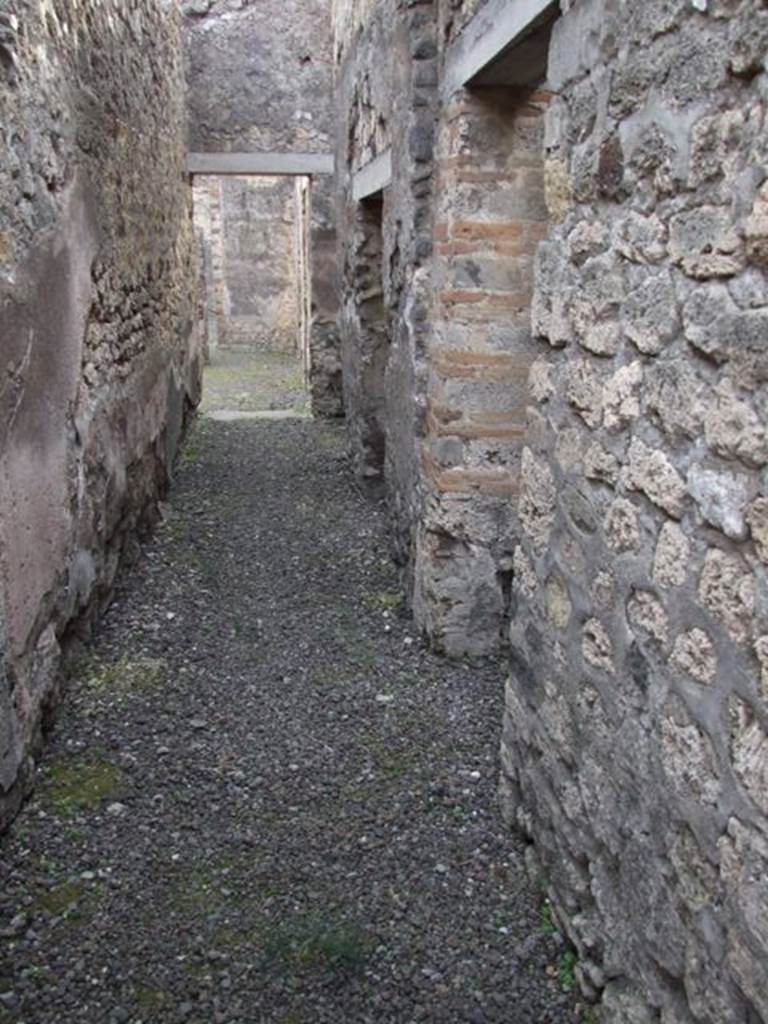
496 28
374 177
260 163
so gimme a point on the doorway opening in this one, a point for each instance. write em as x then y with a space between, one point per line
368 358
263 262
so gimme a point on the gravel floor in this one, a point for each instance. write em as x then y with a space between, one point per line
265 800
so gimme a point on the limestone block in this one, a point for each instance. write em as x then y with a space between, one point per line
757 518
540 380
750 289
715 146
761 650
558 192
649 314
646 614
748 42
622 528
524 578
694 654
557 602
734 429
620 397
595 303
670 563
675 394
596 646
727 591
756 230
640 238
602 339
707 316
721 498
536 509
549 318
584 391
749 754
588 239
650 472
705 243
600 464
687 756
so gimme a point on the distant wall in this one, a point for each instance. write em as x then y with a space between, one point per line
248 227
100 361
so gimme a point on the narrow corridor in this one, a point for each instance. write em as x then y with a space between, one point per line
265 800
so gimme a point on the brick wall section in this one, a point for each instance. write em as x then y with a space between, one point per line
490 218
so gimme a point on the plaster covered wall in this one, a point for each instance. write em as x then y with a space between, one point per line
99 354
259 75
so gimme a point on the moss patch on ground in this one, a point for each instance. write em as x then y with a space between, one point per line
253 381
317 941
79 785
125 675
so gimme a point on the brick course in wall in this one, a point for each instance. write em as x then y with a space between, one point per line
490 218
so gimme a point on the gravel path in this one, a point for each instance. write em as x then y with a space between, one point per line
265 800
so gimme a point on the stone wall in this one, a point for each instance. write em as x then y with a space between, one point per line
248 227
260 80
574 420
206 212
636 736
97 310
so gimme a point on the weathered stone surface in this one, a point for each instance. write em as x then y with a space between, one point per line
705 243
757 517
727 591
537 500
259 220
735 429
694 654
721 498
670 566
651 472
622 529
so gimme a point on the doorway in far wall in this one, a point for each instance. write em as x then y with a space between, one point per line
253 233
368 357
